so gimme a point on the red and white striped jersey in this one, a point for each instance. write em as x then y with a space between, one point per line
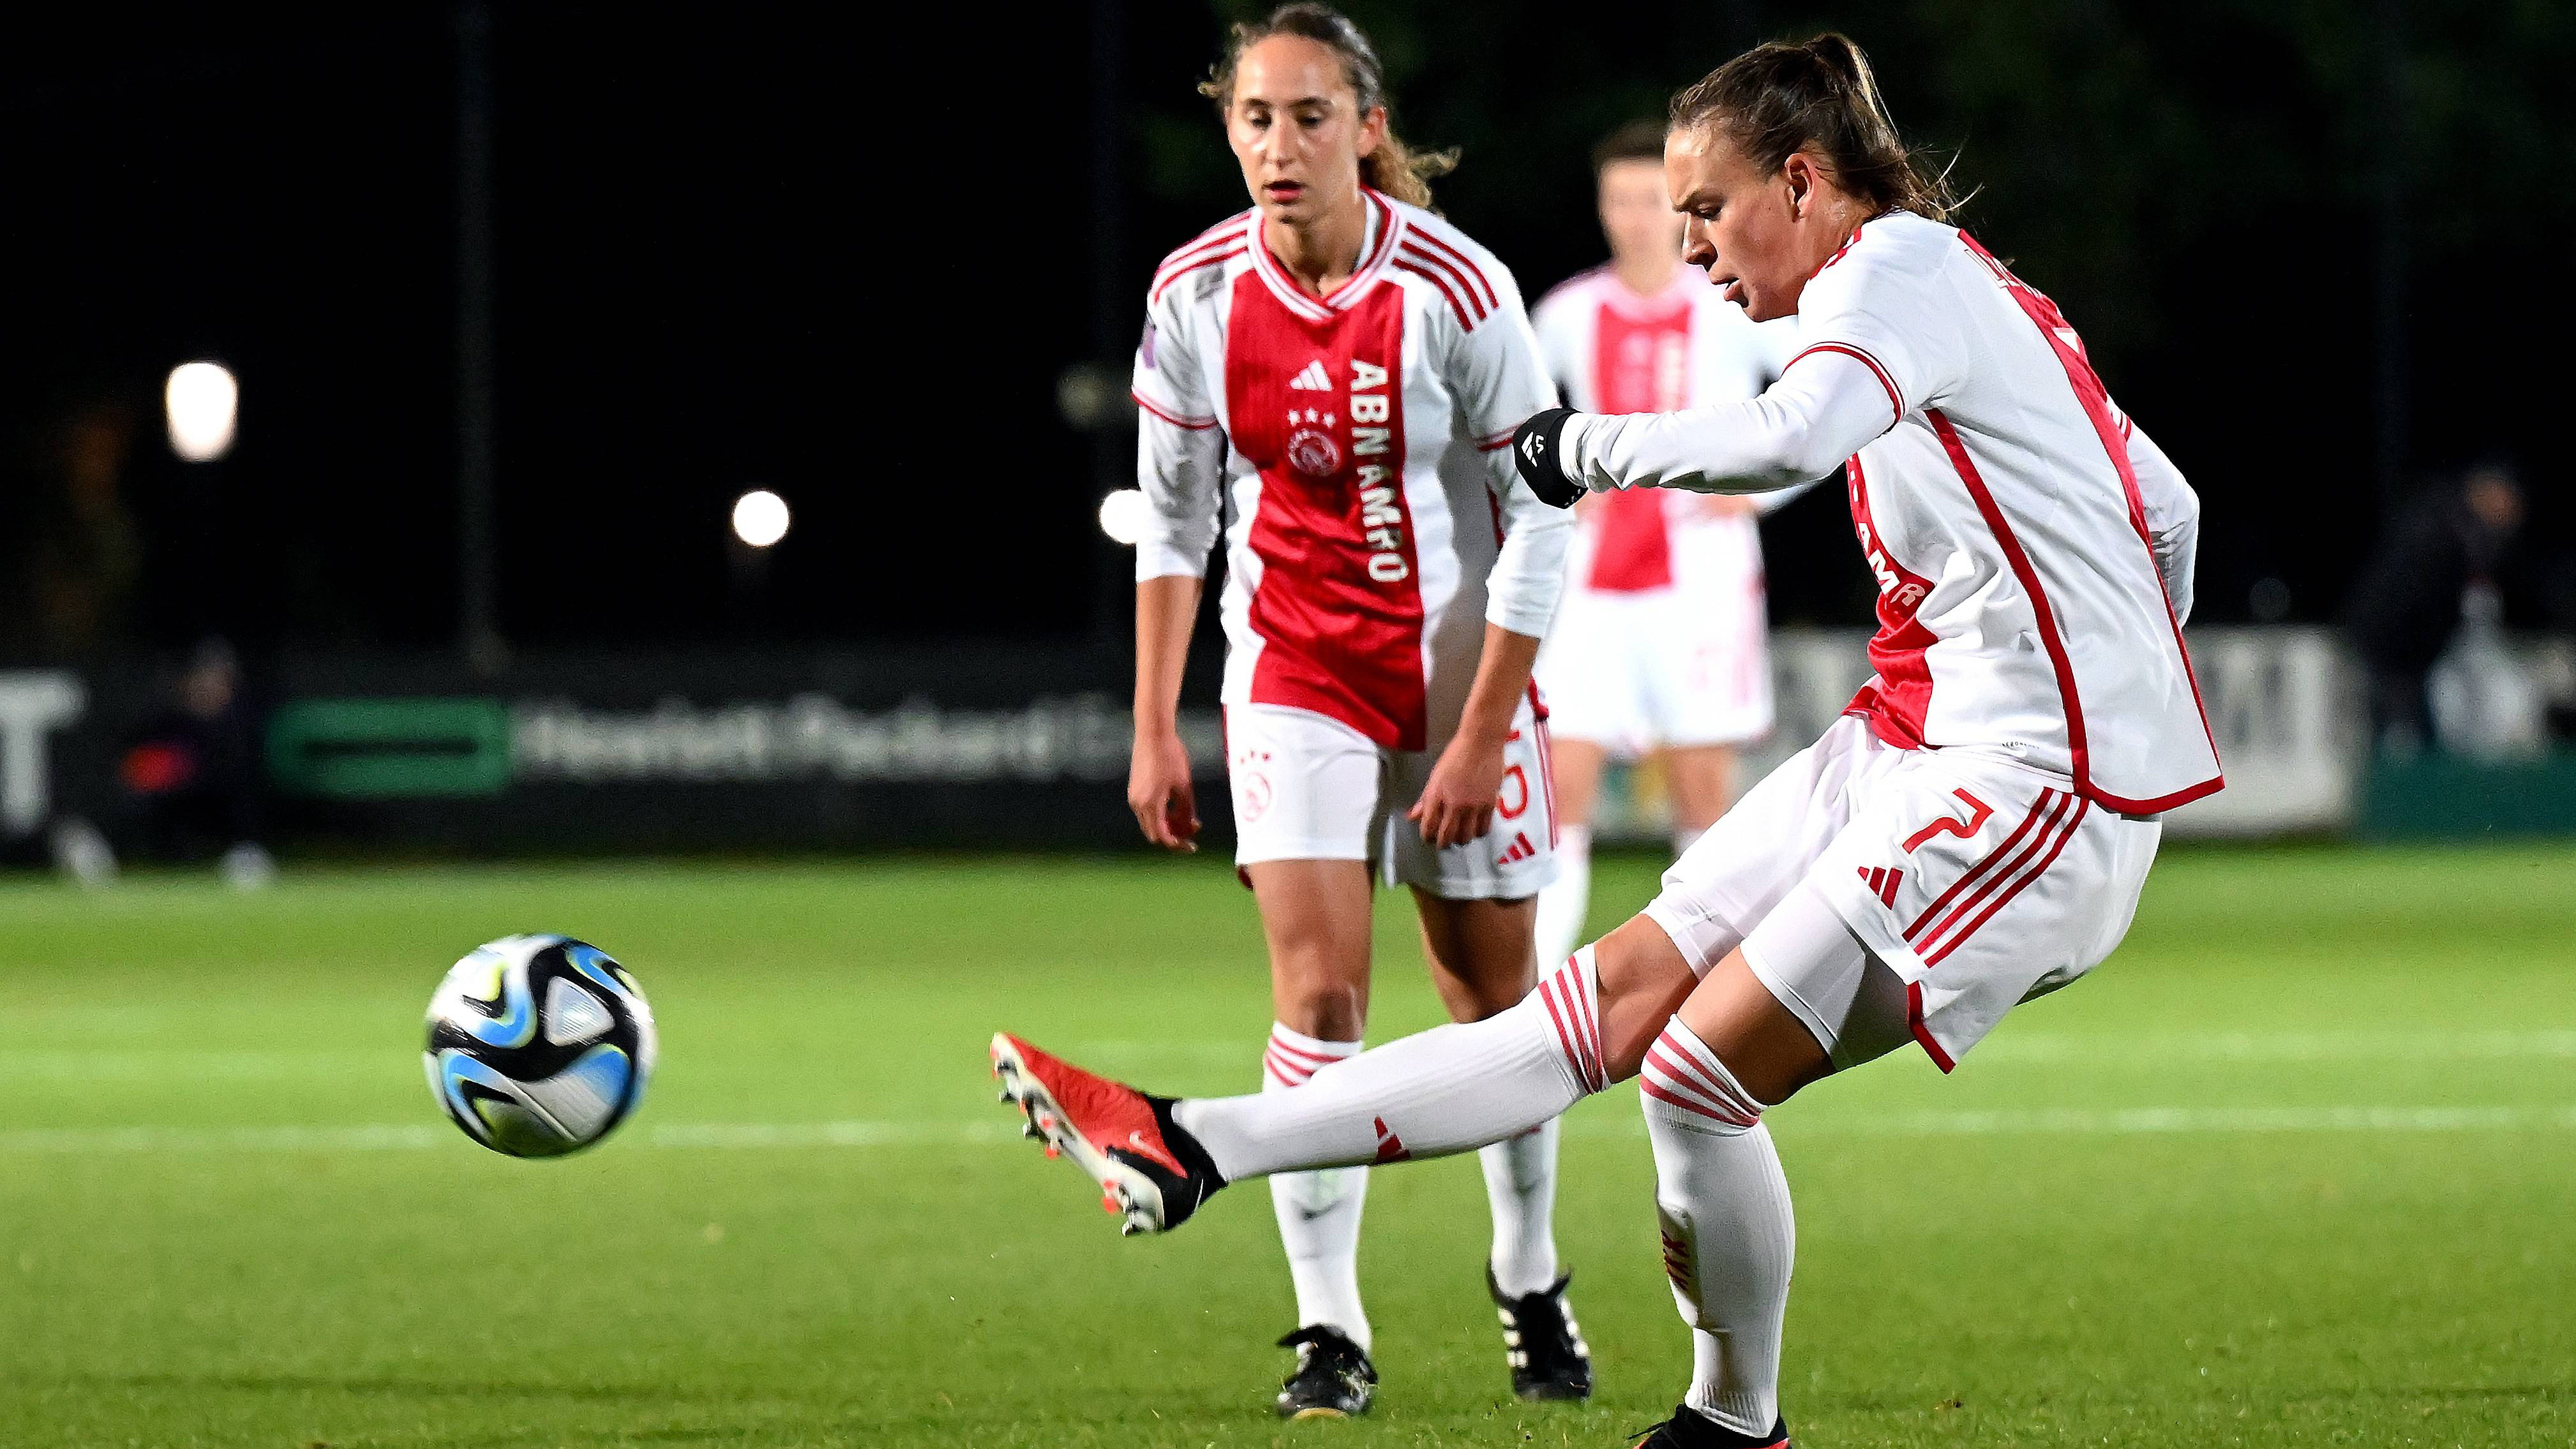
1362 440
1613 351
2032 547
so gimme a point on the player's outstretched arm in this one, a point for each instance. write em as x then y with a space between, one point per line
1820 412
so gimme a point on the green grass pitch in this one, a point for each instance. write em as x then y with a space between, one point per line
2294 1168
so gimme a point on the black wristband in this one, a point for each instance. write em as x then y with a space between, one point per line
1537 451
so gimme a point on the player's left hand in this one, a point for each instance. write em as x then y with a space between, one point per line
1458 801
1537 451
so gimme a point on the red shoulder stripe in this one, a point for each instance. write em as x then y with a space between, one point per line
1197 252
1164 280
1232 223
1491 299
1466 289
1404 262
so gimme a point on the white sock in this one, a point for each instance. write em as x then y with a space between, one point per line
1564 901
1318 1212
1729 1238
1520 1185
1446 1090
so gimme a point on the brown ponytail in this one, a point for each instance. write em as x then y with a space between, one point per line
1778 99
1394 168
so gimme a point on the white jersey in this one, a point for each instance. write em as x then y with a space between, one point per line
1613 351
1376 521
2032 547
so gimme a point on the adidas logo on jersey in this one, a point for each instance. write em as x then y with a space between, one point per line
1521 849
1313 379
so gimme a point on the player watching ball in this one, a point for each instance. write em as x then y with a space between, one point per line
1346 369
1974 832
1660 646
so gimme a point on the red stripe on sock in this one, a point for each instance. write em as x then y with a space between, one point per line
1311 1059
1682 1063
1564 1038
1722 1104
1570 980
1648 1086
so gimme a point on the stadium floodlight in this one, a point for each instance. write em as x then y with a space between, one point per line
203 401
760 518
1122 516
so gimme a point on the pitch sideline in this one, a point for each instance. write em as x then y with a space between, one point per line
2078 1122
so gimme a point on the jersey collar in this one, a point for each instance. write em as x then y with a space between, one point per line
1377 243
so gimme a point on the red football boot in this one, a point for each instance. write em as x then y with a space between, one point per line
1152 1173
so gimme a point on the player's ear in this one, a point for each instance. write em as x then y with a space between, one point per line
1372 129
1799 172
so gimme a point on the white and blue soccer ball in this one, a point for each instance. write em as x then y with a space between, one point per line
538 1045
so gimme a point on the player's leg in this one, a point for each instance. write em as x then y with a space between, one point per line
1456 1087
1307 792
1565 902
1315 917
1481 962
1702 781
1743 1043
1709 686
1588 674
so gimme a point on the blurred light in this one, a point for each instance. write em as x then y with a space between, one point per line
1122 516
760 518
202 399
2268 600
1092 397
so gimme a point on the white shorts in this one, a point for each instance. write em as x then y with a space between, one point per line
1884 893
1309 787
1688 664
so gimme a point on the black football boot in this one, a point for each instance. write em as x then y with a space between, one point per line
1541 1342
1333 1380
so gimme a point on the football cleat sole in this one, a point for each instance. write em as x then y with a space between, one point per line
1125 1194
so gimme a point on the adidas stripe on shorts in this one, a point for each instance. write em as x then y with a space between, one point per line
1886 894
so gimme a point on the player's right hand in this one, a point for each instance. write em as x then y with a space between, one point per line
1158 790
1537 450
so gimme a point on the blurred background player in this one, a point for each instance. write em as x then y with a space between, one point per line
1660 647
187 784
1334 376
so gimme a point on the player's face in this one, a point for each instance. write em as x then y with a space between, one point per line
1636 216
1756 235
1298 130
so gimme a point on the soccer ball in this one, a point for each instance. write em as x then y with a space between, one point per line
538 1045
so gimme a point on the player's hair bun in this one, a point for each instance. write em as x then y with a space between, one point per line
1778 99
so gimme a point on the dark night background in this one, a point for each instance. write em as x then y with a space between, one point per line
2315 249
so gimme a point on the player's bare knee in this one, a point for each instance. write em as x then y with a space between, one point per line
1322 1006
1643 980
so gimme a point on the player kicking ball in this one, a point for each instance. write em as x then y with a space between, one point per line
1972 833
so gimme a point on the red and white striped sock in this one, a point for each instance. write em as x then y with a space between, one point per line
1318 1212
1447 1090
1729 1236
